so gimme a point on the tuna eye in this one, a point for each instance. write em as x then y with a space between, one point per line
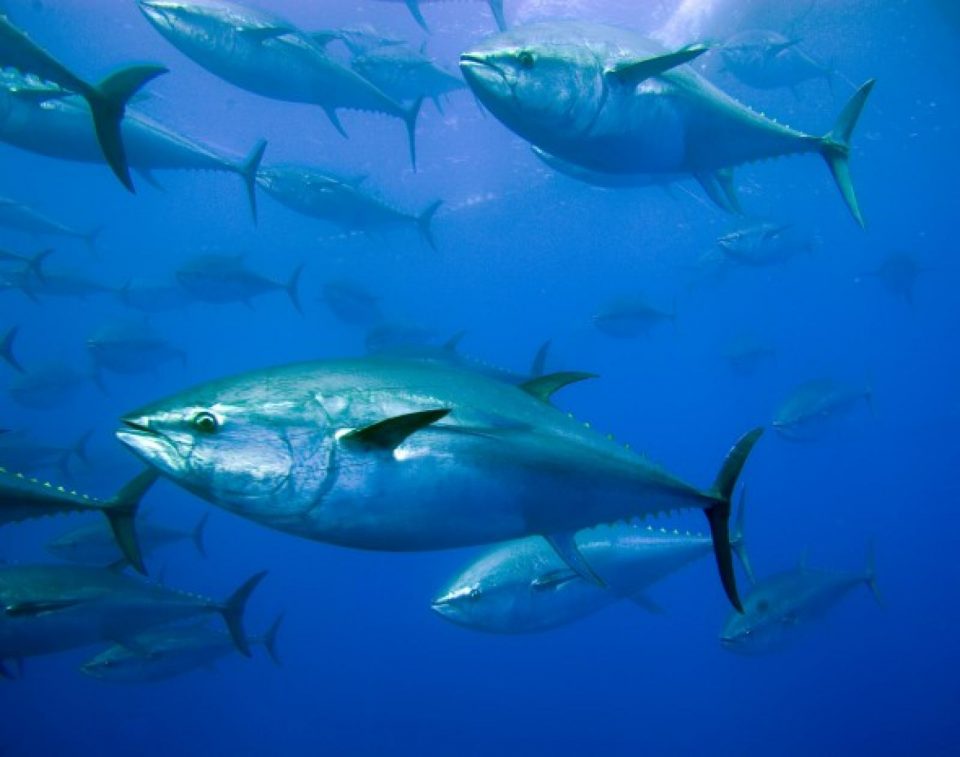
525 59
205 423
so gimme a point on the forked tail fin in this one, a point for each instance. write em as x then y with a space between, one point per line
410 116
247 169
121 513
738 542
425 223
198 534
835 147
292 288
233 610
718 514
270 640
108 102
6 349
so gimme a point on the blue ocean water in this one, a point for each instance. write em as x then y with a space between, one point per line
524 255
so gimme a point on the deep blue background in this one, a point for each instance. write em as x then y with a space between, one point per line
525 255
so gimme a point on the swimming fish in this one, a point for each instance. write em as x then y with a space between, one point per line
224 278
814 404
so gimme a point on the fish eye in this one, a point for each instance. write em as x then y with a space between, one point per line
474 594
525 59
205 422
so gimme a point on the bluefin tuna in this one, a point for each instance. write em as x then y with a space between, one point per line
611 101
267 55
779 608
131 347
407 75
166 653
342 202
352 304
60 128
49 384
93 544
746 354
768 60
814 405
765 243
151 297
406 455
20 217
20 451
898 274
357 39
46 609
630 317
224 278
107 100
523 587
26 498
496 8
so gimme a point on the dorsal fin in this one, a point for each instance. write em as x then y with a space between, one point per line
632 72
389 434
543 387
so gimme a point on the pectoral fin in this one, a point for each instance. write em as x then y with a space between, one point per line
632 72
263 33
386 436
543 387
553 579
35 609
565 545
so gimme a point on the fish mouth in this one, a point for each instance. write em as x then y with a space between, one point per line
149 445
481 74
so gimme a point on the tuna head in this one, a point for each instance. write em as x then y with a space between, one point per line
253 445
763 627
534 78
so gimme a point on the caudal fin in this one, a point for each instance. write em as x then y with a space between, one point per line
6 349
121 513
425 223
293 287
247 169
718 514
738 542
35 264
270 640
410 120
835 147
108 102
198 533
233 609
870 574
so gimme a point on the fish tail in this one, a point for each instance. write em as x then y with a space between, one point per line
870 574
233 609
410 116
270 640
425 223
718 514
496 8
738 542
835 147
198 533
121 513
6 349
108 102
35 263
292 287
248 169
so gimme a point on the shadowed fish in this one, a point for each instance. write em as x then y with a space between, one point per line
496 8
166 653
153 296
768 60
405 455
6 348
107 99
52 608
267 55
131 347
765 243
778 608
352 304
357 39
19 451
24 498
60 128
94 544
319 194
224 278
390 336
613 102
812 406
407 75
630 317
19 217
898 274
50 384
523 587
747 354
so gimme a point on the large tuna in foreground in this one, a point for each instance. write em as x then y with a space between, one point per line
611 101
406 455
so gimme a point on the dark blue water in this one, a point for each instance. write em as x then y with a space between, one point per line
525 255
